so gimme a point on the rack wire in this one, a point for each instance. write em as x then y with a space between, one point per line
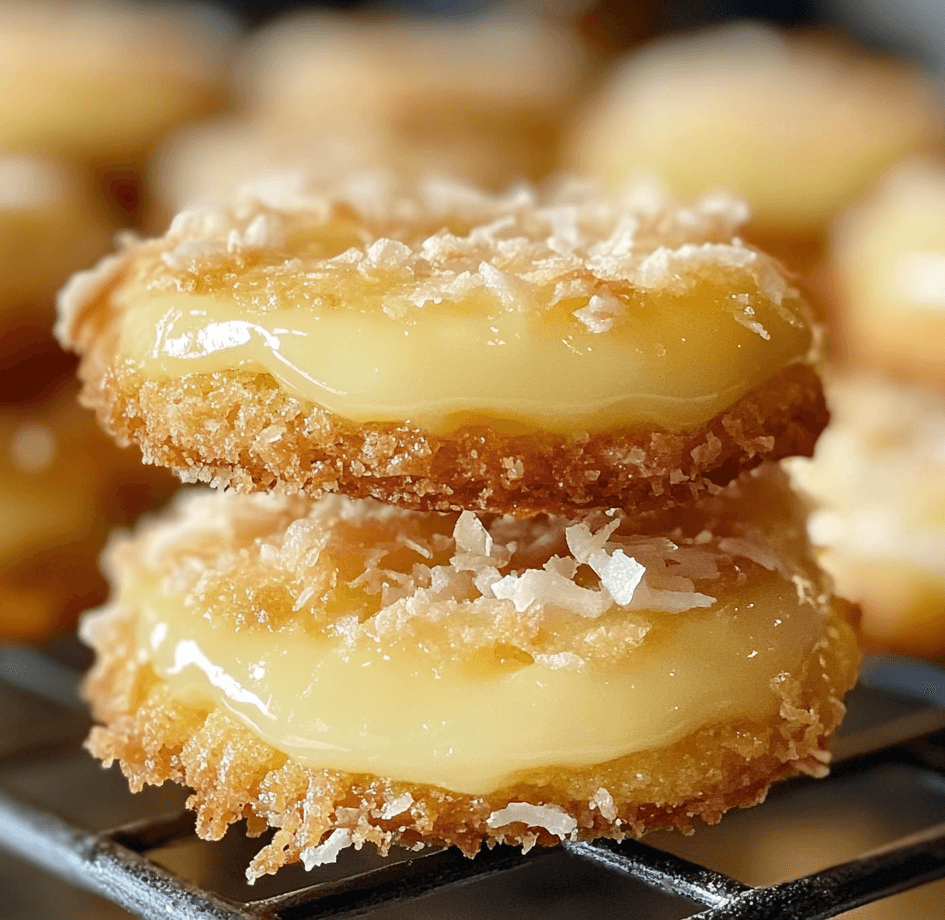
118 864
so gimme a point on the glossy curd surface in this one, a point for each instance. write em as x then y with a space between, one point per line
391 711
674 361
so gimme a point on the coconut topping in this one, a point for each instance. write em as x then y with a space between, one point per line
327 852
564 594
436 241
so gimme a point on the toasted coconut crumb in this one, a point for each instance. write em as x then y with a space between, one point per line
604 802
326 852
565 594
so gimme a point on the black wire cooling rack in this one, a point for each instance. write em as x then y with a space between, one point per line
897 723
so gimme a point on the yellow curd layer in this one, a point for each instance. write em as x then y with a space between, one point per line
459 652
672 360
391 711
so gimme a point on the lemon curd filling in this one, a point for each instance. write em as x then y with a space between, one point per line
671 360
442 650
391 711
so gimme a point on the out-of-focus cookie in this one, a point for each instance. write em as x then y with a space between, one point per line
348 672
435 346
51 223
102 81
98 80
63 486
878 483
488 93
211 160
888 273
801 126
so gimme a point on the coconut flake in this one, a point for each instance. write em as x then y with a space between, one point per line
552 818
583 543
603 801
396 806
544 588
601 312
619 573
471 537
561 661
327 852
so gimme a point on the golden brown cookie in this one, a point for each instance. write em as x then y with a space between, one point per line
439 347
349 672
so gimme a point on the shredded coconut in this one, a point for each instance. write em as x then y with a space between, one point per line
327 852
367 572
396 806
552 818
601 312
433 241
604 802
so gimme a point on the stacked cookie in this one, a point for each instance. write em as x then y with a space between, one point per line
479 565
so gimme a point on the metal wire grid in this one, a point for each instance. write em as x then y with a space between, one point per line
115 864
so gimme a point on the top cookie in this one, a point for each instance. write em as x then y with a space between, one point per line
440 348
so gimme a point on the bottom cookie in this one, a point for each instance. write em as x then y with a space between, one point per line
347 672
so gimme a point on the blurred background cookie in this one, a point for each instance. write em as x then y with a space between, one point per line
100 82
52 222
800 125
491 91
888 275
877 481
63 486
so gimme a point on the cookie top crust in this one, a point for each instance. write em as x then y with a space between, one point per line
433 239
